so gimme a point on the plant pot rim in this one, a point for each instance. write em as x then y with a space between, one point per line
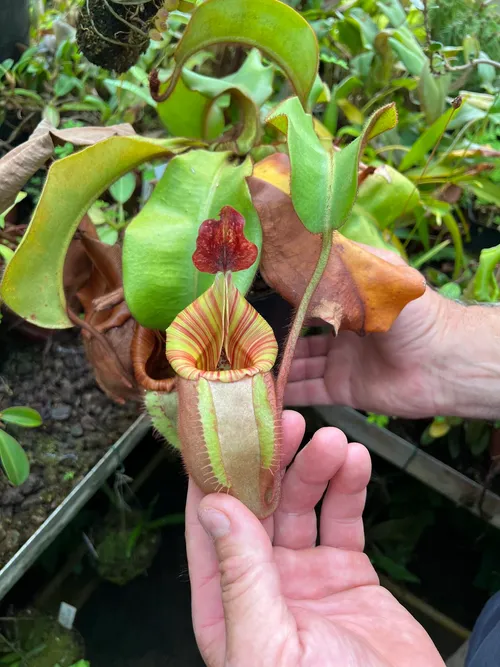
462 490
22 560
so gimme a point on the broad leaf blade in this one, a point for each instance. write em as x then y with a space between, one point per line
13 459
324 183
257 23
21 416
32 285
159 276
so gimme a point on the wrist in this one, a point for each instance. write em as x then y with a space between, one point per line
465 362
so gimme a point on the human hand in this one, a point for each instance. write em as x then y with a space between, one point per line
439 358
264 594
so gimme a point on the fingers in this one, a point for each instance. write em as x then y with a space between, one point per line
306 384
255 610
323 572
203 564
206 603
313 346
295 524
294 427
307 392
341 523
307 368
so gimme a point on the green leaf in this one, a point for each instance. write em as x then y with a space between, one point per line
203 121
256 23
451 291
6 253
369 28
323 182
51 115
484 286
19 197
123 188
426 141
385 195
382 198
339 92
396 571
14 459
239 86
72 186
487 74
485 190
477 436
363 229
64 84
254 78
423 258
21 416
159 276
394 11
139 91
107 234
349 34
432 92
411 55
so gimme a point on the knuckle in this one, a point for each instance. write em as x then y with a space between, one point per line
239 575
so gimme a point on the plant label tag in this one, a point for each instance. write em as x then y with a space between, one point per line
67 615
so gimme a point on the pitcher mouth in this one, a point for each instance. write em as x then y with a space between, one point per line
219 322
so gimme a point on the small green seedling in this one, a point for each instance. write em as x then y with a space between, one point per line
12 456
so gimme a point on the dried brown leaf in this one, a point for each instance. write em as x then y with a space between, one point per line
358 292
19 164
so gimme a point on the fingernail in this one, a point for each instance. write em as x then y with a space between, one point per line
214 522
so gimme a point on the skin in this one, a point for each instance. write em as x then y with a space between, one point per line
264 593
440 358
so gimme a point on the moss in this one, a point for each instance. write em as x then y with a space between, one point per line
452 20
98 31
124 553
45 641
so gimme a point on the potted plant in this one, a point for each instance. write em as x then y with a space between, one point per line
217 214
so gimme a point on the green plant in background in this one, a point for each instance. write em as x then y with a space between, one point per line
129 539
32 639
14 461
217 167
110 219
270 134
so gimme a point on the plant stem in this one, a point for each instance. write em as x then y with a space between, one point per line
300 316
472 63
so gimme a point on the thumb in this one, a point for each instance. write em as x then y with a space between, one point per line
255 611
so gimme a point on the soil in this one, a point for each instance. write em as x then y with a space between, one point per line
114 37
79 425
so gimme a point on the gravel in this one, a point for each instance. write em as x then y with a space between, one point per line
80 423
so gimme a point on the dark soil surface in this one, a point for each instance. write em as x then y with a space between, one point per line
79 424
